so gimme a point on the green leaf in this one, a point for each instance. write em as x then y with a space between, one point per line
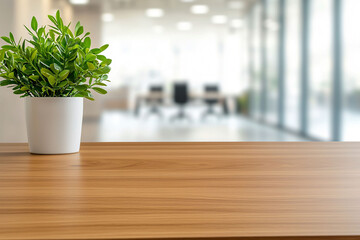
51 80
30 32
87 42
105 70
107 61
79 31
8 47
70 32
2 55
62 84
86 34
100 84
101 57
77 26
24 88
46 72
95 51
34 77
104 47
41 32
7 82
49 88
64 74
55 67
11 75
90 98
58 18
81 88
11 37
100 90
90 66
52 35
90 57
52 19
34 24
6 39
33 55
58 15
17 92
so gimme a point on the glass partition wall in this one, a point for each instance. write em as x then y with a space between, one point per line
292 63
272 28
351 73
321 84
320 65
256 62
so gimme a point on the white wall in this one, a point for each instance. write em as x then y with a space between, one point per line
12 111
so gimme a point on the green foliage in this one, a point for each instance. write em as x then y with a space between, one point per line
53 63
243 103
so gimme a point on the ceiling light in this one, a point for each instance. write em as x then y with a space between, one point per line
158 29
79 2
154 12
235 5
237 23
219 19
199 9
184 26
107 17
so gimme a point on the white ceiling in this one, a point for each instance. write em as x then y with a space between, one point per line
175 11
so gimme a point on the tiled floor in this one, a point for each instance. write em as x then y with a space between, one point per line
118 126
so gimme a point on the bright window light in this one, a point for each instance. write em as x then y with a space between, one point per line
236 4
188 1
271 25
184 26
79 2
219 19
107 17
199 9
158 29
154 12
237 23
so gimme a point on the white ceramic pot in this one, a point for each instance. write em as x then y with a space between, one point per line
54 124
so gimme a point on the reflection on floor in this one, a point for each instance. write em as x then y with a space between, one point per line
117 126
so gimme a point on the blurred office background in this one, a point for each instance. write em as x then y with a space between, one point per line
210 70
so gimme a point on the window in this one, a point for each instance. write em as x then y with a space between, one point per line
272 77
292 72
351 74
256 58
320 74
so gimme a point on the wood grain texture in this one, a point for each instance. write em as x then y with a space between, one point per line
182 190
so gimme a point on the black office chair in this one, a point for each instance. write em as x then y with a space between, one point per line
181 98
155 99
211 98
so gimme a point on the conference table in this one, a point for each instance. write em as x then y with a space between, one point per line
160 99
229 190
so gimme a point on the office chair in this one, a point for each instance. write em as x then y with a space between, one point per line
211 98
181 98
156 98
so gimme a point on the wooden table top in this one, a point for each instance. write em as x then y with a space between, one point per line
182 190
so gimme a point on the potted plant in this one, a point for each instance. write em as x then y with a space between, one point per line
54 70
